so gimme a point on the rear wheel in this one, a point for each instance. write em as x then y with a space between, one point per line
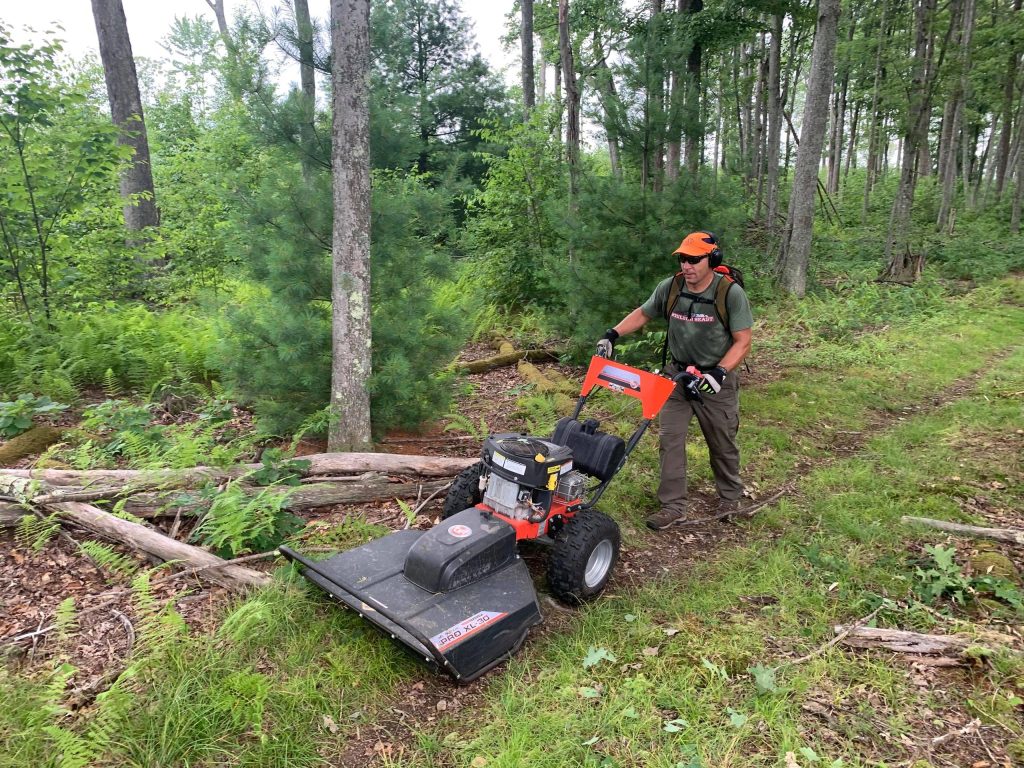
585 553
465 491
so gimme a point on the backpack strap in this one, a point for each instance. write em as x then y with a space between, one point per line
721 307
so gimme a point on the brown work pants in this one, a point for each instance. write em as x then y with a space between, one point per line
719 420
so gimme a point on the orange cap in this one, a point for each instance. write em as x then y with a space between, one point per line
697 244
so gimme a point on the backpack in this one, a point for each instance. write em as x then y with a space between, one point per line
729 274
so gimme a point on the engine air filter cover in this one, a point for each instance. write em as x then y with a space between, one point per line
529 461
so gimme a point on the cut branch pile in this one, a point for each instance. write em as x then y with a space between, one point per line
174 493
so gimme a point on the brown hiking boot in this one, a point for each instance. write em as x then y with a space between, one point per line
666 517
731 507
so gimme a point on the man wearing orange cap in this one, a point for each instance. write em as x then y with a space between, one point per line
706 349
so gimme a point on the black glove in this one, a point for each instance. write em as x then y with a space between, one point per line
711 380
606 344
690 384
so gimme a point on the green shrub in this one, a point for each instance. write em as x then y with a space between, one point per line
18 415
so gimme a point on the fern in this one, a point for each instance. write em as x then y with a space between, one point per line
236 523
36 532
111 387
108 559
66 619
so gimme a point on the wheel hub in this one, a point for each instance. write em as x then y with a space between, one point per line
598 563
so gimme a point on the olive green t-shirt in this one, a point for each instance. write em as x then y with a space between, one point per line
695 336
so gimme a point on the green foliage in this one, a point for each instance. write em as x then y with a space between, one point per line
942 577
117 348
18 416
36 531
276 340
109 559
239 521
58 158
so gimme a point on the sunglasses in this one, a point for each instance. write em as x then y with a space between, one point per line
691 259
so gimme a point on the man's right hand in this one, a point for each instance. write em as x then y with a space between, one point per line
606 344
690 384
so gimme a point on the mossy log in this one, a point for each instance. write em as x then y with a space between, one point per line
30 443
507 358
550 381
320 464
900 641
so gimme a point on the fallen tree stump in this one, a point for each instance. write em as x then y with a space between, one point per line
320 464
1010 535
10 514
507 358
144 539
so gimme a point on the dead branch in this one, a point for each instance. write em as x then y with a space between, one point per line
900 641
745 512
1010 535
835 640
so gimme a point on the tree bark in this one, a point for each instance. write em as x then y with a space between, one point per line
147 540
526 48
217 6
774 122
875 116
902 264
956 128
612 110
307 75
899 641
796 244
350 251
320 464
140 209
572 98
1009 82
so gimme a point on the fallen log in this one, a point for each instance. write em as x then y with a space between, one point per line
1010 535
507 358
320 464
10 514
30 443
901 641
144 539
299 499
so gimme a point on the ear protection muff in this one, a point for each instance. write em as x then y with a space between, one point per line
715 257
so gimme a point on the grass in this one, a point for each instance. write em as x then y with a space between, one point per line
689 670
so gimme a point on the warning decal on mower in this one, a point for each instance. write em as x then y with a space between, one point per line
459 632
460 531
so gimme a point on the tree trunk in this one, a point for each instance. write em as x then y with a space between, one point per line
835 155
572 98
612 110
693 127
796 244
673 144
350 251
957 127
1004 137
307 130
217 6
851 151
902 264
542 80
140 209
1015 211
774 122
875 117
13 481
526 46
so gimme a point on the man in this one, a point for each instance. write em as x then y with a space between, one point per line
704 357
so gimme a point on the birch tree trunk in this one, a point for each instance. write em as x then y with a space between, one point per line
140 209
526 46
350 248
796 242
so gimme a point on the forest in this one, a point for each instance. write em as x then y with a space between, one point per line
277 287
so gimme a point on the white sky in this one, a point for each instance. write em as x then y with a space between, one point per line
150 20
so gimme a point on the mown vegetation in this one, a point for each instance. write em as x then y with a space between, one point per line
207 340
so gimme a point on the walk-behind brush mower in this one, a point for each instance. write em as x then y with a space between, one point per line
458 594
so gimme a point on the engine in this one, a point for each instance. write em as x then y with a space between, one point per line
525 474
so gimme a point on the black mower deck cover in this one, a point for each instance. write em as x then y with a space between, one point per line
458 595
